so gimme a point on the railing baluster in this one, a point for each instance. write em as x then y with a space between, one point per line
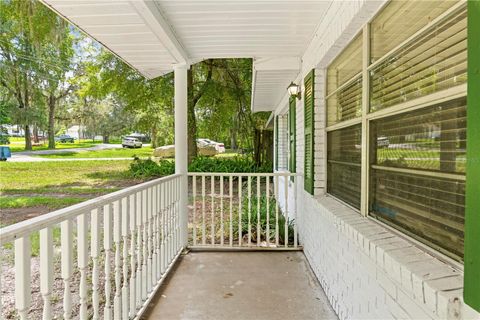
163 201
125 206
46 270
267 232
231 210
107 243
258 211
221 211
155 236
276 211
159 225
149 240
144 245
203 212
175 218
212 223
285 240
240 211
139 214
295 230
82 248
177 215
194 218
95 252
249 211
67 265
133 266
117 229
168 226
22 276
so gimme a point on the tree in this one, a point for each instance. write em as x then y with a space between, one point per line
33 48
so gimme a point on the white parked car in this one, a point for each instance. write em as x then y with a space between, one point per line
220 147
129 142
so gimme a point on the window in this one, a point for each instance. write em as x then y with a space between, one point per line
433 62
418 181
415 120
344 102
344 87
344 164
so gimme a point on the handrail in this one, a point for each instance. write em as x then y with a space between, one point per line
20 229
240 174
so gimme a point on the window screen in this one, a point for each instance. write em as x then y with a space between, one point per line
346 103
344 160
399 20
347 65
432 138
435 61
429 207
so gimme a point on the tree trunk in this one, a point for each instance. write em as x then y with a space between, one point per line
28 138
106 138
35 134
233 133
51 122
154 136
191 119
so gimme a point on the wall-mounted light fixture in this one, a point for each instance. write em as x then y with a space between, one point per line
294 90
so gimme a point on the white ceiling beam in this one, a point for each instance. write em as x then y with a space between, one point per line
149 11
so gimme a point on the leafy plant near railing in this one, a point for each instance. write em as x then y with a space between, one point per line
140 168
263 221
148 168
239 164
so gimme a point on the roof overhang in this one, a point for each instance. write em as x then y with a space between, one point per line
153 36
271 78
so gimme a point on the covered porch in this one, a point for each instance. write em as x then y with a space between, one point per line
231 245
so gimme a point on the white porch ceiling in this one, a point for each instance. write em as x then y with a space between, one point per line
154 35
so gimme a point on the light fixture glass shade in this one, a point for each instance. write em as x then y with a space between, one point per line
293 89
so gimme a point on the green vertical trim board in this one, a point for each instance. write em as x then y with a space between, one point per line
292 134
472 211
309 121
276 142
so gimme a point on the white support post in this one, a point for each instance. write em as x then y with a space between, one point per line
181 143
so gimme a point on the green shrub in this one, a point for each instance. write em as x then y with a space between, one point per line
237 164
148 168
140 168
263 221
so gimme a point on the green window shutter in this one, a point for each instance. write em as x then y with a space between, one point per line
308 101
276 142
292 135
472 209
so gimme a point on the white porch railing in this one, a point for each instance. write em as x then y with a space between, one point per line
120 246
242 210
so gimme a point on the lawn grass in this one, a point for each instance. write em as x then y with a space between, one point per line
109 153
48 186
34 175
17 144
14 202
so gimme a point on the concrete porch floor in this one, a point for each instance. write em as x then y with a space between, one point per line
241 285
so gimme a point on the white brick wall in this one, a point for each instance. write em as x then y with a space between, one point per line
367 271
